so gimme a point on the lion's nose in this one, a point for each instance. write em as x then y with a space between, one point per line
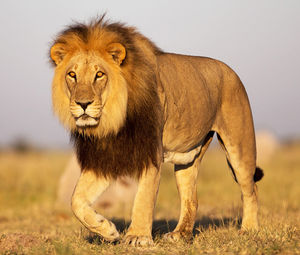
84 105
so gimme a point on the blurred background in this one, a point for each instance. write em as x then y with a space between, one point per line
258 39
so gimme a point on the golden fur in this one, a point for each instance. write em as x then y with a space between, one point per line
129 106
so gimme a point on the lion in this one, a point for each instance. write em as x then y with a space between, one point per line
129 107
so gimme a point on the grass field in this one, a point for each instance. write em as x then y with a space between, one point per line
32 223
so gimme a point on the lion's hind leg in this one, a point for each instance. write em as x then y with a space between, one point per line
186 185
243 166
186 178
88 189
236 134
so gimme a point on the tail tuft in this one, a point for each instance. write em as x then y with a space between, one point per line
258 175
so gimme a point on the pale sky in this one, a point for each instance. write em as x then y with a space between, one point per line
259 39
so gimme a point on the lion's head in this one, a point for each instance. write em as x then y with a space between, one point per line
104 71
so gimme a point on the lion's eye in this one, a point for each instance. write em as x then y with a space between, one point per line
99 75
72 74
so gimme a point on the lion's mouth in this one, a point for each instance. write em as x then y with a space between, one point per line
86 121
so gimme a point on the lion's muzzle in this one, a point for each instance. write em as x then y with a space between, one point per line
86 113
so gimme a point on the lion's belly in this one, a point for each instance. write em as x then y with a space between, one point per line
180 158
182 147
182 143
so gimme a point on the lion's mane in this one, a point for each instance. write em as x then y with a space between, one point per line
137 143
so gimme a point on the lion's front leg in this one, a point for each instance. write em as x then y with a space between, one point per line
139 232
88 189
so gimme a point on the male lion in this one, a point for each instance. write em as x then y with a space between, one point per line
130 106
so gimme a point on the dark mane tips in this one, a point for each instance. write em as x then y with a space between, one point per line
79 29
82 29
114 31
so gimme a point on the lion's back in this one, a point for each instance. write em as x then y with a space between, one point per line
195 77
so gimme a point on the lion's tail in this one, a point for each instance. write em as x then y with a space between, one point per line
258 175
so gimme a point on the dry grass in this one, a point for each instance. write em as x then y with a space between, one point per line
31 223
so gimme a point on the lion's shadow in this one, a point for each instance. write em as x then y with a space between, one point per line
163 226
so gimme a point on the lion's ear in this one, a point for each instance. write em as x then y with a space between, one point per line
117 51
57 52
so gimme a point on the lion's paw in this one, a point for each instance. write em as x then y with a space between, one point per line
177 236
107 230
134 240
